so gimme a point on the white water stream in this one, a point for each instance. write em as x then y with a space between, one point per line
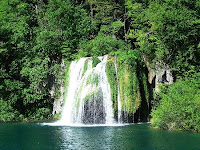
119 105
88 97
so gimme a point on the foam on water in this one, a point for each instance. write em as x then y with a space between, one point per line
86 125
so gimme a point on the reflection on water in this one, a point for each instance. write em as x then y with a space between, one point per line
88 138
133 137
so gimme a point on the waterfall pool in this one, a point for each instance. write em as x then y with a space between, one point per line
33 136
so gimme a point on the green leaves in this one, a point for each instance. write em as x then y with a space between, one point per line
7 113
179 107
116 25
71 24
166 31
102 45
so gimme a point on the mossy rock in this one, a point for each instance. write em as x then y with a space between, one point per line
85 68
129 87
112 80
92 79
57 116
91 96
95 61
67 77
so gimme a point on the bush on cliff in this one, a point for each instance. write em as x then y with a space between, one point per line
179 107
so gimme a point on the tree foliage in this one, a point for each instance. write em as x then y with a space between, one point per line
167 32
179 108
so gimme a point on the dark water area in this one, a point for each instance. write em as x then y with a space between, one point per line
130 137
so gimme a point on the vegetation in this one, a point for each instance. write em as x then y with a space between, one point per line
95 61
129 87
85 66
92 96
37 35
92 79
112 79
179 108
130 82
101 45
67 75
167 32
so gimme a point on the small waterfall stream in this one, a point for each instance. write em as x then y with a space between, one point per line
119 105
88 96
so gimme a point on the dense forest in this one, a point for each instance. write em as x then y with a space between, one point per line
36 35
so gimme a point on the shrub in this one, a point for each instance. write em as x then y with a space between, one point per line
179 107
7 113
101 45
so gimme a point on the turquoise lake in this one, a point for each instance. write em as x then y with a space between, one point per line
34 136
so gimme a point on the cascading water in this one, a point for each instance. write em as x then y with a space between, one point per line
88 96
89 100
119 107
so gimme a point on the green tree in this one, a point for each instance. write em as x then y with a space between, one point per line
72 24
167 32
179 106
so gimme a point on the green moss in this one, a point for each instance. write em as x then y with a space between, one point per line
85 66
146 91
95 61
91 96
67 76
78 94
112 80
57 116
129 86
92 79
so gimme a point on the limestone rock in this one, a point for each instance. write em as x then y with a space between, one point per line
58 102
161 74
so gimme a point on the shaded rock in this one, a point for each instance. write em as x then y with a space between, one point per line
158 74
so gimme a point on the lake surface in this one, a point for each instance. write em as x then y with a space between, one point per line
130 137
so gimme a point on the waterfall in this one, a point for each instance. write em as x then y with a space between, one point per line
76 69
119 106
88 97
89 100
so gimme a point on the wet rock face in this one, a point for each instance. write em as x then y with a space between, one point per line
94 111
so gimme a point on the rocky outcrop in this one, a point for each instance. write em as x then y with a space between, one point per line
163 76
158 74
57 105
58 95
